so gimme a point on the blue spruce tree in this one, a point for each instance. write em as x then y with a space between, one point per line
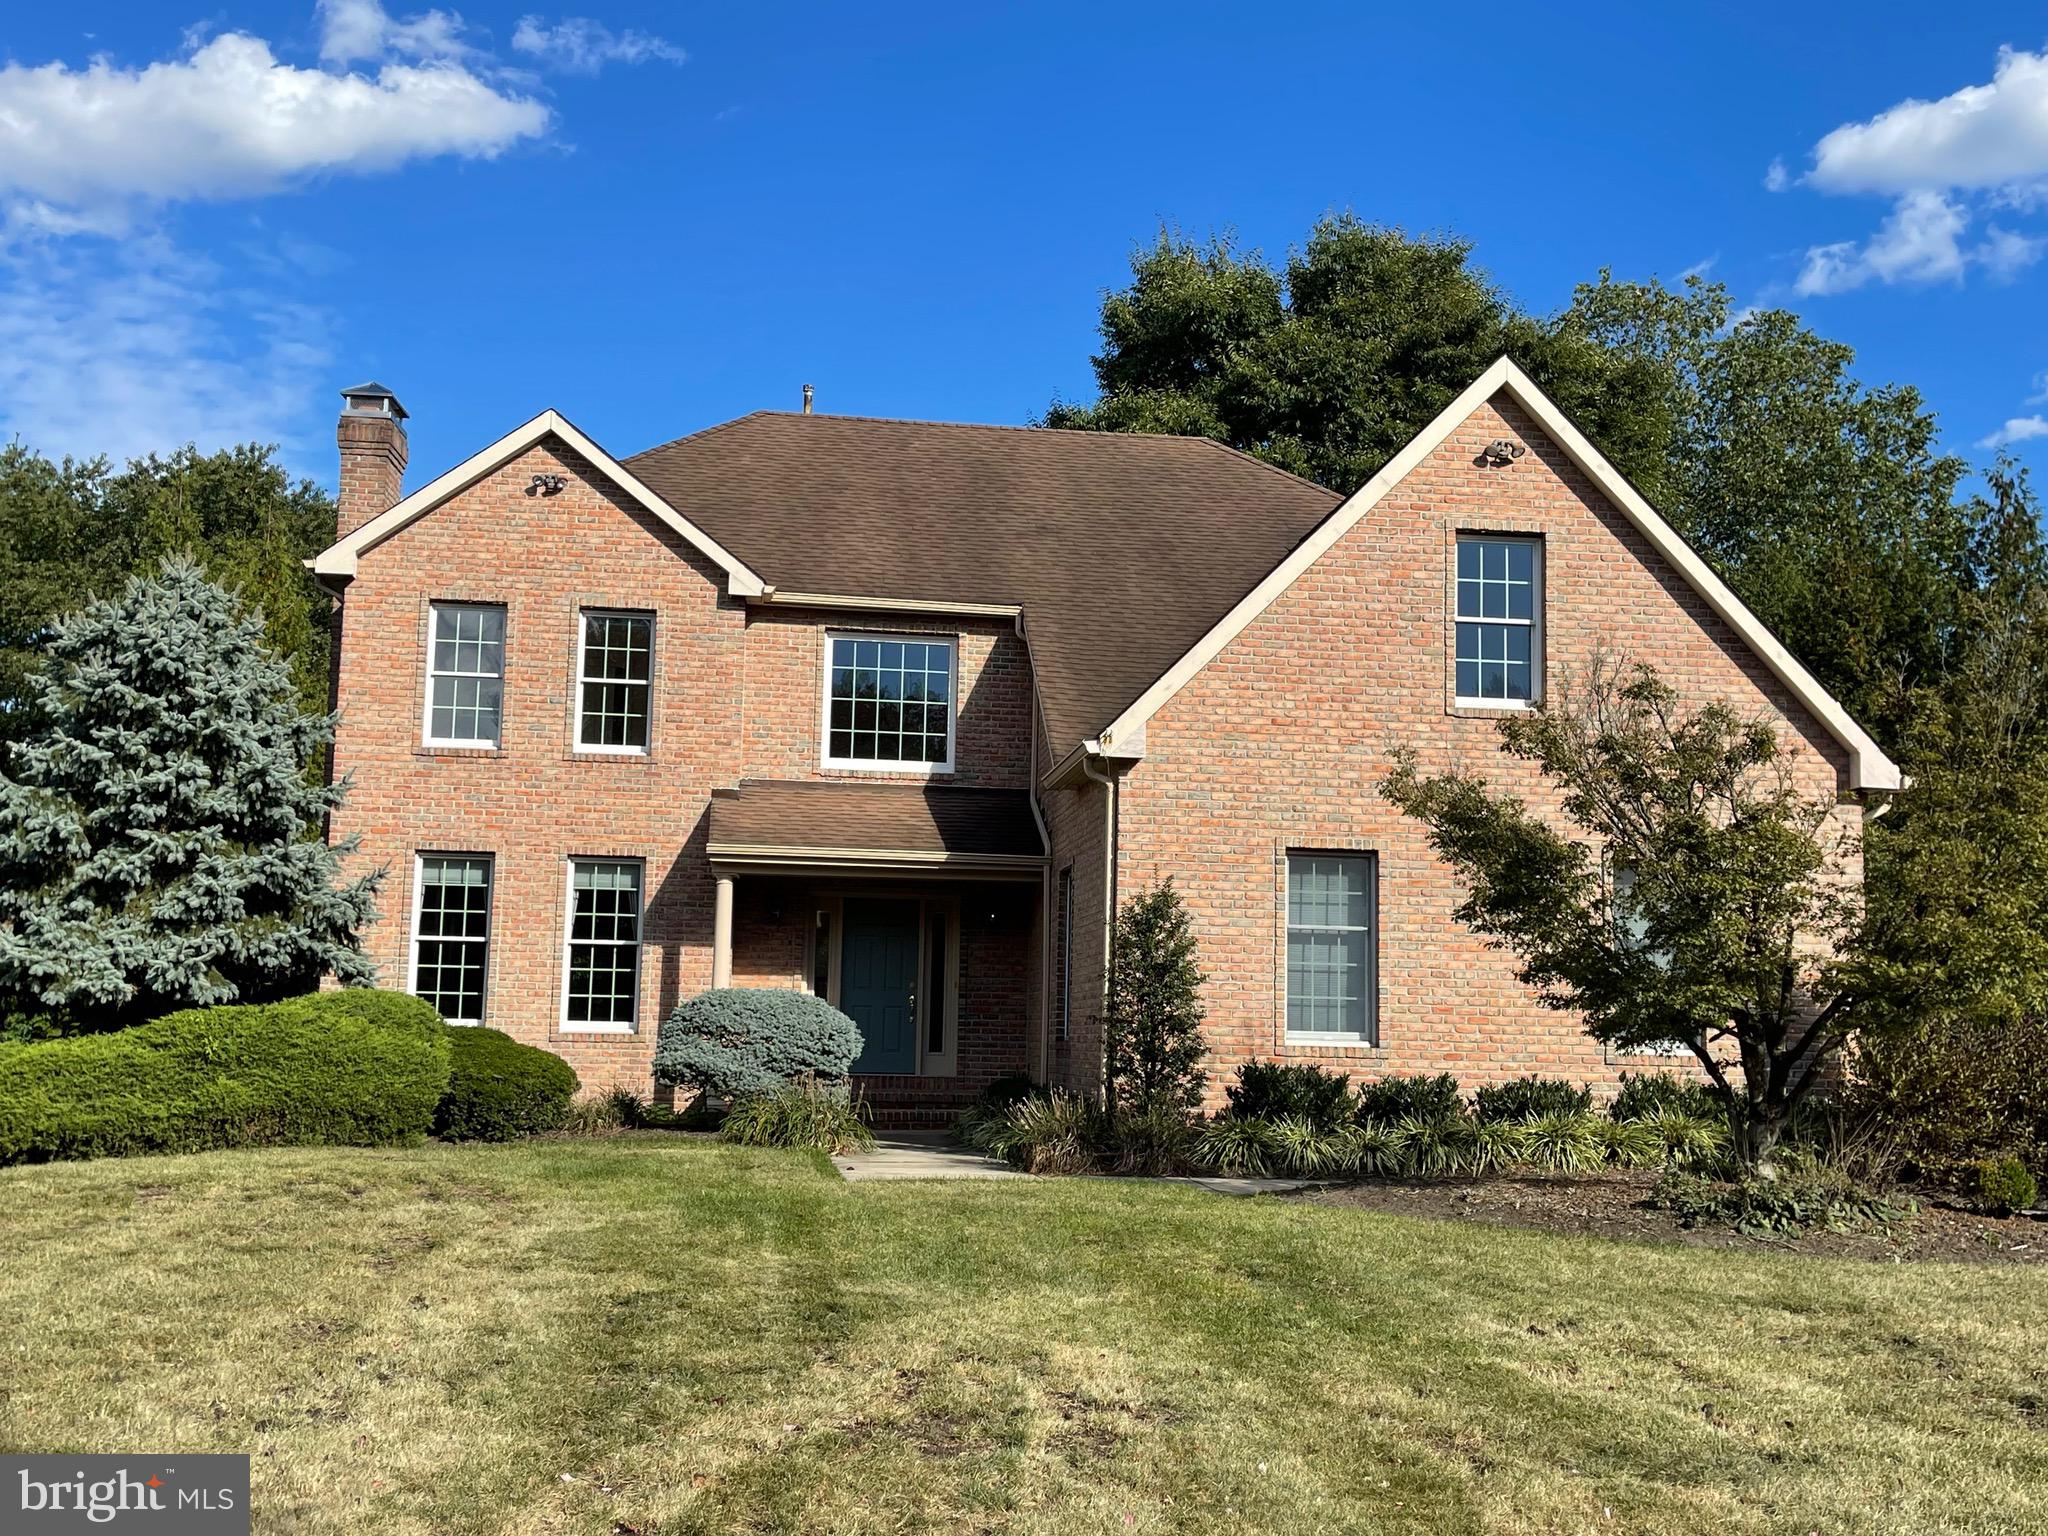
160 835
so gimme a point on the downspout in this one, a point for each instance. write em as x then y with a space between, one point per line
1045 912
1109 819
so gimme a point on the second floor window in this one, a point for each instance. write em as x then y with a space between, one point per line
889 702
465 675
615 671
1500 621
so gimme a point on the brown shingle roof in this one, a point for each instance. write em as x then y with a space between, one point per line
911 819
1122 549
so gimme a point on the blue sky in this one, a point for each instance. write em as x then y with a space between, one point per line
657 217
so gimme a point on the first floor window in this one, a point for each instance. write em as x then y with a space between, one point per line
615 673
889 703
466 675
451 930
1330 900
604 943
1500 620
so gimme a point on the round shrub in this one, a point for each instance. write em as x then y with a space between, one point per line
2002 1185
1269 1090
500 1090
1647 1095
1411 1098
1530 1098
742 1041
350 1068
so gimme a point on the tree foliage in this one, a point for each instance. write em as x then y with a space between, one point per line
1153 1028
71 530
1700 900
1327 365
160 839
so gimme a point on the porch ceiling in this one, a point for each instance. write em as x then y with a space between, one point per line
782 824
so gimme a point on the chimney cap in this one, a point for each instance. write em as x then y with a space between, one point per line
374 397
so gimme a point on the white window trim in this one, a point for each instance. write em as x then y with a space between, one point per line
1369 1038
1534 624
876 765
419 894
427 736
583 616
585 1027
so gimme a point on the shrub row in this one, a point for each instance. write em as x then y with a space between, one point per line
1267 1090
1059 1133
349 1068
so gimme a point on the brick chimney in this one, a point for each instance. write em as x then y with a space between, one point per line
371 435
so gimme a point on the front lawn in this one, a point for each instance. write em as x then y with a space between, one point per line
664 1334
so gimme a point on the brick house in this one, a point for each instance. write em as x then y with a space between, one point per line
896 711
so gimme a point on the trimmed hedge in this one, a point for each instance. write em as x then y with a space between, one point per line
1271 1090
741 1041
1410 1098
1530 1098
350 1068
500 1090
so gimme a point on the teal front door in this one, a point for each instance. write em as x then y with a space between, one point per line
878 982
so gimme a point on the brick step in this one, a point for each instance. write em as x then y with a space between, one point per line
914 1117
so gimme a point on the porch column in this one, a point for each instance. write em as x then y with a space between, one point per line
721 933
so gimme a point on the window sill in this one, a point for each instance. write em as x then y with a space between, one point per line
1345 1045
455 749
596 1029
914 770
610 755
1491 709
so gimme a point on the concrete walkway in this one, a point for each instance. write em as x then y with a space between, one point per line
935 1155
921 1155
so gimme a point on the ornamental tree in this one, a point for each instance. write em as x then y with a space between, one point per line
1698 900
161 840
1153 1030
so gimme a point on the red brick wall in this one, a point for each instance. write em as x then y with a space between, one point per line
1282 740
784 681
735 695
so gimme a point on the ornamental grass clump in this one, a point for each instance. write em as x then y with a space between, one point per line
804 1113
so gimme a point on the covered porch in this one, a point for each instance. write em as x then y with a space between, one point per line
915 909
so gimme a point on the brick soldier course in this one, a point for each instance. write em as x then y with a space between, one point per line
1168 660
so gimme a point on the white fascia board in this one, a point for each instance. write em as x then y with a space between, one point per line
1869 767
339 559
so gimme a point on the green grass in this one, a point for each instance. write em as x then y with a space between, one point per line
672 1335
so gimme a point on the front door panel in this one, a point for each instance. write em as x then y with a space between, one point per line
878 982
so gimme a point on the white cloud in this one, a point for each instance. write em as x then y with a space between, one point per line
1776 177
1943 163
2018 430
582 46
1980 137
125 348
363 29
228 118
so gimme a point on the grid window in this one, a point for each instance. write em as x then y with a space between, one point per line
466 675
604 943
1499 621
1330 945
614 676
889 703
452 935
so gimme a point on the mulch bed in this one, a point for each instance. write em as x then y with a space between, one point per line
1612 1205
